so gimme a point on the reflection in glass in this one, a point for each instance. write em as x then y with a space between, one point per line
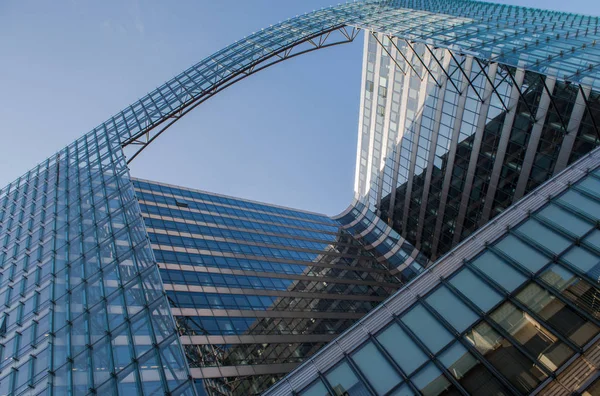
375 368
557 315
476 290
508 360
469 372
402 349
452 309
499 271
427 328
529 333
317 388
344 382
431 382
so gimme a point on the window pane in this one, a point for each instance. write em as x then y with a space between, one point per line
475 289
565 219
582 259
543 235
556 314
452 309
403 390
577 290
515 366
402 349
342 379
430 381
581 202
496 269
427 328
529 333
593 239
376 369
469 372
522 253
316 389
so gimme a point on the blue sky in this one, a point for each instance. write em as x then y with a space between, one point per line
286 135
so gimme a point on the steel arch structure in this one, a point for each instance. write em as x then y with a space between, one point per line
517 36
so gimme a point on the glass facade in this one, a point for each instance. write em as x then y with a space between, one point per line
109 284
255 288
518 316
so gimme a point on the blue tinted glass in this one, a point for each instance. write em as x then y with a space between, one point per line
427 328
476 290
376 369
581 202
499 271
522 253
582 259
316 389
343 379
402 349
452 309
565 219
431 381
544 236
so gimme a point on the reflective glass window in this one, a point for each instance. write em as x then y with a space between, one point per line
476 290
469 372
565 219
508 360
402 390
315 389
376 369
571 286
529 333
342 379
583 259
593 239
581 202
431 332
499 271
431 382
557 315
522 253
402 349
449 306
544 236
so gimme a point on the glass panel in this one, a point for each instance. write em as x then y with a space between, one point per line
476 290
470 372
496 269
427 328
577 290
522 253
529 333
402 349
342 379
583 259
515 366
557 315
403 390
581 202
544 236
316 389
376 369
593 239
565 219
431 382
452 309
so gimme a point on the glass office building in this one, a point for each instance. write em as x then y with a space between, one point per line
113 285
512 310
255 288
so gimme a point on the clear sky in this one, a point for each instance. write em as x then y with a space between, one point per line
286 135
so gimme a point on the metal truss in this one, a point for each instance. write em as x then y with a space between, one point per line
334 36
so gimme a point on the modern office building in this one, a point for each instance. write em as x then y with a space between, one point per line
512 310
114 285
255 288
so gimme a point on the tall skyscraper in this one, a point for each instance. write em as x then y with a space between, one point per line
114 285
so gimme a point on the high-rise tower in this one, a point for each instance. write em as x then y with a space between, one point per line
109 282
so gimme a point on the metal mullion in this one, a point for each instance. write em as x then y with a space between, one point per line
358 373
575 211
149 96
164 97
392 362
555 227
141 128
182 85
149 122
432 356
461 336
